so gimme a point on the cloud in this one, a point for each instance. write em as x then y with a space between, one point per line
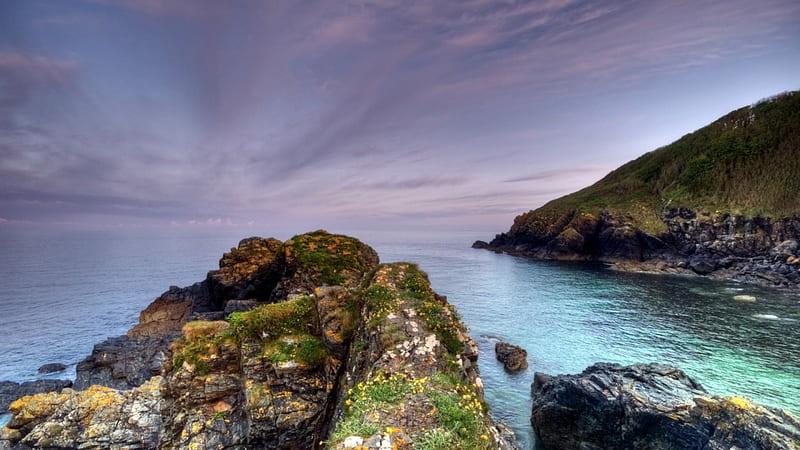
558 173
4 221
24 74
416 183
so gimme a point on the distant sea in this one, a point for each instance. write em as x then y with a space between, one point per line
62 292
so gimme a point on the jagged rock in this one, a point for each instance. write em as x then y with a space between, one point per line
123 362
280 374
321 259
512 356
702 266
10 391
480 244
98 417
648 406
51 368
249 271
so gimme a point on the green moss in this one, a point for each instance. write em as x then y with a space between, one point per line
200 340
334 257
296 316
307 350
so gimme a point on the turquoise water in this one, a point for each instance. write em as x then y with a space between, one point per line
61 293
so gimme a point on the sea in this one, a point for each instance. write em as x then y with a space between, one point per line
63 291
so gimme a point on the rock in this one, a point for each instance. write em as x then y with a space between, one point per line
10 391
650 406
512 357
702 265
249 271
123 362
282 369
239 306
98 417
480 244
751 249
51 368
744 298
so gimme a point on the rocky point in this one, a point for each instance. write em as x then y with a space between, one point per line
308 343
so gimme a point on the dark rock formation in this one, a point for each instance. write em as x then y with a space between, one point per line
296 372
128 361
10 391
512 356
760 250
648 406
51 368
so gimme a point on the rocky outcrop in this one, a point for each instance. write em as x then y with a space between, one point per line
353 352
755 249
98 417
51 368
128 361
512 356
10 391
648 406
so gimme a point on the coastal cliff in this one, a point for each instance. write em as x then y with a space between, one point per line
308 343
721 201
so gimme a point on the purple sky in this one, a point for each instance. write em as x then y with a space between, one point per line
382 114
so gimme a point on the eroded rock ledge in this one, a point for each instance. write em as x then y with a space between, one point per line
648 406
327 348
754 249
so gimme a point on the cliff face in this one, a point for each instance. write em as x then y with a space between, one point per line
758 249
324 348
722 201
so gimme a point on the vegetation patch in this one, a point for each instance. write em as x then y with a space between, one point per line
334 257
440 316
458 411
286 330
200 340
379 301
306 349
290 317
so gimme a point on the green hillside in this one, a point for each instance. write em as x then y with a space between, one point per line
747 162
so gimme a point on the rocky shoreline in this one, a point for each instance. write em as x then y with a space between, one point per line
308 343
756 250
646 406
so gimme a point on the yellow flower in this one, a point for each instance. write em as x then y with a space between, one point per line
484 437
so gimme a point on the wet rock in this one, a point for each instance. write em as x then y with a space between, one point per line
650 406
480 244
10 391
51 368
701 265
512 356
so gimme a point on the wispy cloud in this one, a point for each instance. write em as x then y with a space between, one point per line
189 109
559 173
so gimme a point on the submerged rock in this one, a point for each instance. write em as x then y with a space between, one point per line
51 368
647 406
512 356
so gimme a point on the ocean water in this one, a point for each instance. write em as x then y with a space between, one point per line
63 292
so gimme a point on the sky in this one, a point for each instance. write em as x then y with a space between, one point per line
362 114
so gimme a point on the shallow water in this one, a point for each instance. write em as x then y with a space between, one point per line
61 293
